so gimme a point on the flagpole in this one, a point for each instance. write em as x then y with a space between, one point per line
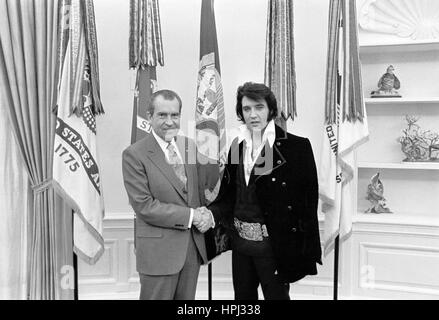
75 268
336 254
209 281
210 115
75 263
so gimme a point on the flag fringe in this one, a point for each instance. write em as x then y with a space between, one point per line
145 38
280 70
342 15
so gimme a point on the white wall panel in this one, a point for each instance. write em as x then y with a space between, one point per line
379 261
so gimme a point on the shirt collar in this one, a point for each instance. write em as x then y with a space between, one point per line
162 143
269 134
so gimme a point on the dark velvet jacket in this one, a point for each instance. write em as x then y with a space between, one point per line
287 188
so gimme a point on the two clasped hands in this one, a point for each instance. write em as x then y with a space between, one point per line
203 219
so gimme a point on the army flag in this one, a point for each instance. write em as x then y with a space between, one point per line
209 111
145 53
210 124
346 124
76 171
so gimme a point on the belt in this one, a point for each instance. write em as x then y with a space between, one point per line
250 231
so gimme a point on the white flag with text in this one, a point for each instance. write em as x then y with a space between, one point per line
76 171
336 184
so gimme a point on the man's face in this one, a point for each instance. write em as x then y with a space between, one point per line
255 113
165 121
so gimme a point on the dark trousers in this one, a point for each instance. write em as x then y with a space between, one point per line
180 286
250 271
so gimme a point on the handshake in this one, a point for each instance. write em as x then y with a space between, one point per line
203 219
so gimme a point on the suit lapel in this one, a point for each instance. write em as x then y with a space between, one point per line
271 158
156 155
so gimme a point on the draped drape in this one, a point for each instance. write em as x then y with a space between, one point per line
14 208
28 54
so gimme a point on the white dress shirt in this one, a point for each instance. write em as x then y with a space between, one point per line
250 155
164 146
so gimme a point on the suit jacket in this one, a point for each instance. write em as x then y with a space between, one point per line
287 188
162 205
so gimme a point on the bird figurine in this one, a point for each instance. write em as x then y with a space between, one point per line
388 84
375 192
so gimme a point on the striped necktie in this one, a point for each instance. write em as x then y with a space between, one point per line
176 164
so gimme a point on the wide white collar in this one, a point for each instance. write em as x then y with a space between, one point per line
269 134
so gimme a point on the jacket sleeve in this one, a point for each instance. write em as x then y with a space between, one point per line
312 239
312 190
146 207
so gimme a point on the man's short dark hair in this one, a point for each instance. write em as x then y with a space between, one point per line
256 91
165 94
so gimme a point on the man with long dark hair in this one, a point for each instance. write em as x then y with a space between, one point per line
268 199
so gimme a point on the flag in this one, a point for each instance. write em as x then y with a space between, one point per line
76 171
209 111
210 124
146 84
280 73
345 124
145 53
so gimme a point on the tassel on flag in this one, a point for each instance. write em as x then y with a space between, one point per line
145 53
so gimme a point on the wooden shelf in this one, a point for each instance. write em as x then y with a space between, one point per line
413 46
400 166
405 100
413 184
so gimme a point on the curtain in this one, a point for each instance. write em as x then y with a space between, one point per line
28 54
14 214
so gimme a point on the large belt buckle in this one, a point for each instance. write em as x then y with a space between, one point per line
250 231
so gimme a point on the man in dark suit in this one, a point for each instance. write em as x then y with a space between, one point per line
268 198
161 180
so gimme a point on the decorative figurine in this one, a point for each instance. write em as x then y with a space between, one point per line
375 191
419 145
387 85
